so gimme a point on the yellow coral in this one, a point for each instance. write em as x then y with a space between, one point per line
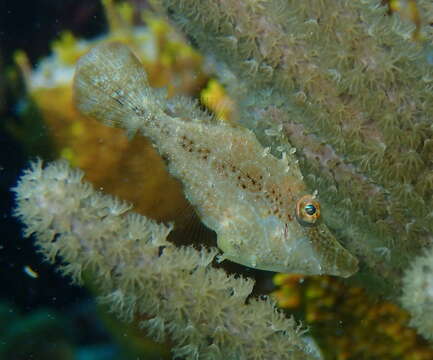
66 48
408 9
215 98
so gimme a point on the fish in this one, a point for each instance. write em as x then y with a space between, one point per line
257 204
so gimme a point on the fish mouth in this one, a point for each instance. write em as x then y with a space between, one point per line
334 258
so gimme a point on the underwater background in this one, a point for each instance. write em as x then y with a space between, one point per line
46 315
43 317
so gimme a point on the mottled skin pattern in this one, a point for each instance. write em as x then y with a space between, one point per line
241 191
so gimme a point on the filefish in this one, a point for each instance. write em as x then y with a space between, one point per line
258 205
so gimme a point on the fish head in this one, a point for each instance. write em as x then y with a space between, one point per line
304 245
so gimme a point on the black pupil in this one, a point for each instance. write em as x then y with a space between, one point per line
310 209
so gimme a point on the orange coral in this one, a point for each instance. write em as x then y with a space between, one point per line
349 324
104 152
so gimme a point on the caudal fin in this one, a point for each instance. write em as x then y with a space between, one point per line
111 85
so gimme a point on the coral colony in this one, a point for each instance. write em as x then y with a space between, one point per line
341 83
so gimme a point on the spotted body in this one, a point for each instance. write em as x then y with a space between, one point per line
257 204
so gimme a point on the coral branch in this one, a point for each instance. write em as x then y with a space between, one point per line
417 295
201 308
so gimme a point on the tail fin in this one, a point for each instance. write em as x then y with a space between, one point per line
111 85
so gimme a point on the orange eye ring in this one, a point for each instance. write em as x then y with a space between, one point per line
307 210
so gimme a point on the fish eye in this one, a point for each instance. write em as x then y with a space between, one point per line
307 210
310 209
